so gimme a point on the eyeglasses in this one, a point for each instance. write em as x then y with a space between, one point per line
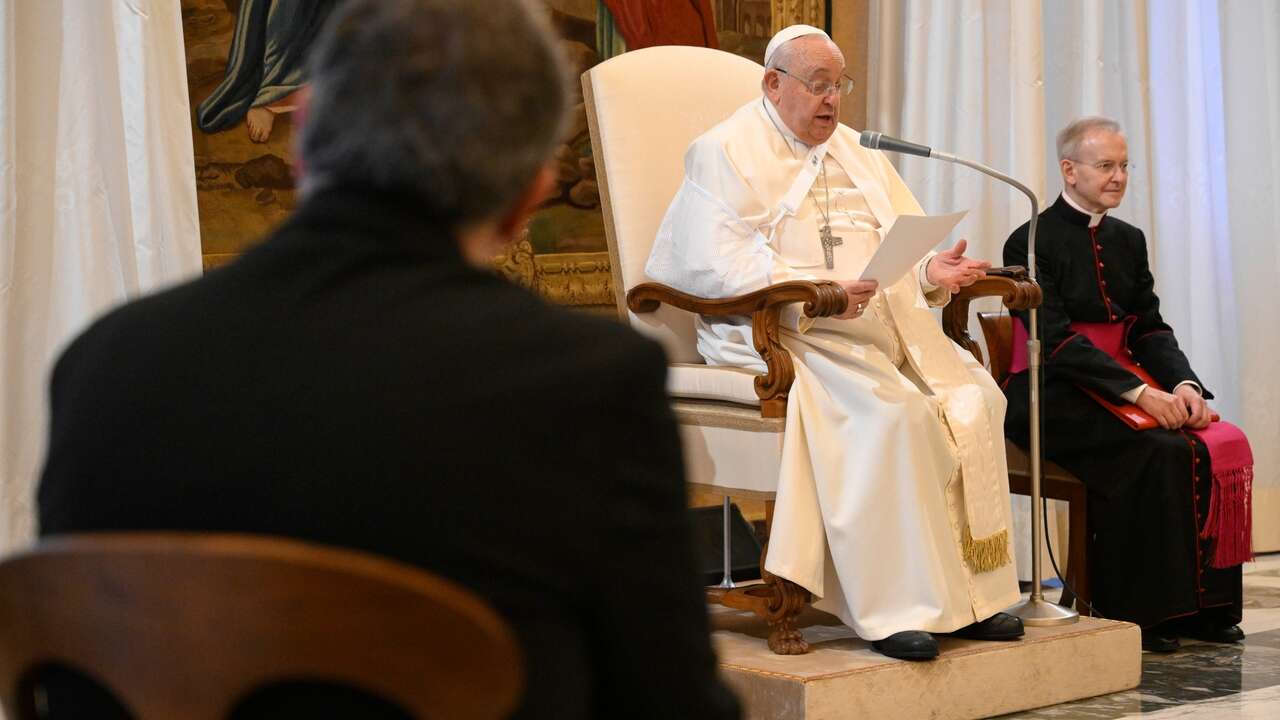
1108 167
843 85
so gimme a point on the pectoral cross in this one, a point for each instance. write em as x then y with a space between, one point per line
829 242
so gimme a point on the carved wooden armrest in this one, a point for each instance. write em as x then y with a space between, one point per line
821 299
1010 284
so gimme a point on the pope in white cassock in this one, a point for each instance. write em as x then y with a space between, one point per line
893 504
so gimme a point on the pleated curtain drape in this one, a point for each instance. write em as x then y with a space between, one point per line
1251 118
1196 86
97 195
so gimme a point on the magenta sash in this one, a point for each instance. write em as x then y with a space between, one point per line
1230 520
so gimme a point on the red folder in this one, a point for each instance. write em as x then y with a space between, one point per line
1110 338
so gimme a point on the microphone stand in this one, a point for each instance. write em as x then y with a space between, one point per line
1034 610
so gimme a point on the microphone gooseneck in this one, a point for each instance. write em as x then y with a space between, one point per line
1035 610
879 141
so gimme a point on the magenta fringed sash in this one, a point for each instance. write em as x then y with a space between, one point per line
1230 520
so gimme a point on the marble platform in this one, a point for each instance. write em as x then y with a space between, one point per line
842 677
1203 681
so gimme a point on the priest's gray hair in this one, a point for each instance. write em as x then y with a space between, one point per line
1070 136
457 103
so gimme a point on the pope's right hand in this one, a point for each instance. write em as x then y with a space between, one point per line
859 293
1168 409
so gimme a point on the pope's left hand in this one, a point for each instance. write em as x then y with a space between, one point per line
950 269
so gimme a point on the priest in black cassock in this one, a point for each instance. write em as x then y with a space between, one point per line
1168 503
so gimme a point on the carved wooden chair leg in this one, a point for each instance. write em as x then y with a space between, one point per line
777 600
786 601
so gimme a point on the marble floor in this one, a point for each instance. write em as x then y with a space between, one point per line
1203 681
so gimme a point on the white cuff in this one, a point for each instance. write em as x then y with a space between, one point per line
925 285
792 317
1199 390
1132 395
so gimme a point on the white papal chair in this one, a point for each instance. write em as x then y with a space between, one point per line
643 109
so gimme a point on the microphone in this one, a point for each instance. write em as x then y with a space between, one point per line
879 141
1034 611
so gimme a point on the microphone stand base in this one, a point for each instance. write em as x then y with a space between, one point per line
1037 612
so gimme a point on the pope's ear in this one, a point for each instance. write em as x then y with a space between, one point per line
771 81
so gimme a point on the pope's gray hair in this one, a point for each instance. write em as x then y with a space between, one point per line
456 102
1070 136
783 55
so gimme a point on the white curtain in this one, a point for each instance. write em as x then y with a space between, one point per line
1196 85
97 195
1251 114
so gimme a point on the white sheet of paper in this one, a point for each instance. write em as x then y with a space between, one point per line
910 238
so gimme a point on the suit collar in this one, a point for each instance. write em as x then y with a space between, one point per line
387 218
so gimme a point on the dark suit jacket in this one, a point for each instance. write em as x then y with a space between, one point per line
1097 275
351 381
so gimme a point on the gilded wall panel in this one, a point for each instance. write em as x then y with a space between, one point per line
798 12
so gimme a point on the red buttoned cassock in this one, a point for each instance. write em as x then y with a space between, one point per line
1149 490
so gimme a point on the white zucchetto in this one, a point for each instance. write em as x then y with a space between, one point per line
791 32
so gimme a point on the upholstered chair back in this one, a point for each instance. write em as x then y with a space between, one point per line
644 108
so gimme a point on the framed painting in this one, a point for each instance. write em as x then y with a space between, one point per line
246 70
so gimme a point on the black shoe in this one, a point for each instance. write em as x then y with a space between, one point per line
1216 633
1158 641
1001 626
908 645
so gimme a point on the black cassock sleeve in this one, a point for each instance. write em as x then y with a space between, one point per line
1151 340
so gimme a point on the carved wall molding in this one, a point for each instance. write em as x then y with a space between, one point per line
563 278
793 12
575 278
518 265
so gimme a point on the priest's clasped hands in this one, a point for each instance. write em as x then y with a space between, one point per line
1184 407
948 269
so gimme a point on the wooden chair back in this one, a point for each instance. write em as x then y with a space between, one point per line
1057 482
997 332
185 625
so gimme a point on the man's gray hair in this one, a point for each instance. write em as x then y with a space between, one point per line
456 102
1070 136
